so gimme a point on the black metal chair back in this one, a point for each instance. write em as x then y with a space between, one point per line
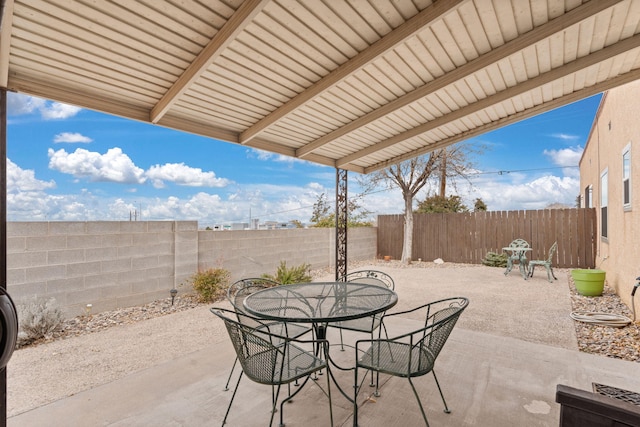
414 353
236 294
371 277
241 289
271 359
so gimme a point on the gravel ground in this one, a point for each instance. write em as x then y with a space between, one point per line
189 320
620 343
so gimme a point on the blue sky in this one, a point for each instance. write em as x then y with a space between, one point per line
67 163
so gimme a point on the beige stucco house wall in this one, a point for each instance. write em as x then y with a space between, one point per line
615 135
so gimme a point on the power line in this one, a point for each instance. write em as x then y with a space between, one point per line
394 185
503 172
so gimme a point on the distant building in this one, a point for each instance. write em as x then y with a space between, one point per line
253 225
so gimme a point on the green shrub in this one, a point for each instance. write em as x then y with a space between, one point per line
493 259
287 276
210 285
38 319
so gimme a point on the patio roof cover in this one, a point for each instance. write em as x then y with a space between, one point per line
358 85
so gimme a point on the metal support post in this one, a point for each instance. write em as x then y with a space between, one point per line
342 213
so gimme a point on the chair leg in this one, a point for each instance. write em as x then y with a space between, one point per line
524 268
386 334
232 397
329 396
509 266
355 396
341 341
273 407
371 383
446 408
226 386
415 393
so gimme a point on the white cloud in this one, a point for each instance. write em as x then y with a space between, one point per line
19 104
27 199
21 180
565 136
181 174
566 156
501 194
72 138
201 205
113 166
316 187
273 157
58 111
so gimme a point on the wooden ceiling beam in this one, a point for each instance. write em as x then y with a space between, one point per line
530 38
221 40
388 42
522 115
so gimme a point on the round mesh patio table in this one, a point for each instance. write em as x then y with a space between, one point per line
320 302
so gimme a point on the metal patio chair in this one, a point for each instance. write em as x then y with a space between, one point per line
236 294
546 263
366 324
273 359
414 353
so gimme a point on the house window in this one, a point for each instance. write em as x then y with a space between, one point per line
626 177
588 196
604 200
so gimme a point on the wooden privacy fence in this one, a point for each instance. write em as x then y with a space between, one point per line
467 237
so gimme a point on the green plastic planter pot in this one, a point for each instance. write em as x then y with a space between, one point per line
589 282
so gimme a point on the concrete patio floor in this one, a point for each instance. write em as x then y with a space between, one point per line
511 348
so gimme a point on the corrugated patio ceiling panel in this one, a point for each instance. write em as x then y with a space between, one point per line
310 36
303 125
213 114
50 75
341 105
93 30
284 136
208 118
325 112
236 101
262 70
290 76
407 118
86 59
348 145
98 80
242 78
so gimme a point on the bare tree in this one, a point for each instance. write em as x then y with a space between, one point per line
446 164
455 162
411 176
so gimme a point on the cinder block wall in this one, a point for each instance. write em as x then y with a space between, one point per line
105 264
251 253
120 264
